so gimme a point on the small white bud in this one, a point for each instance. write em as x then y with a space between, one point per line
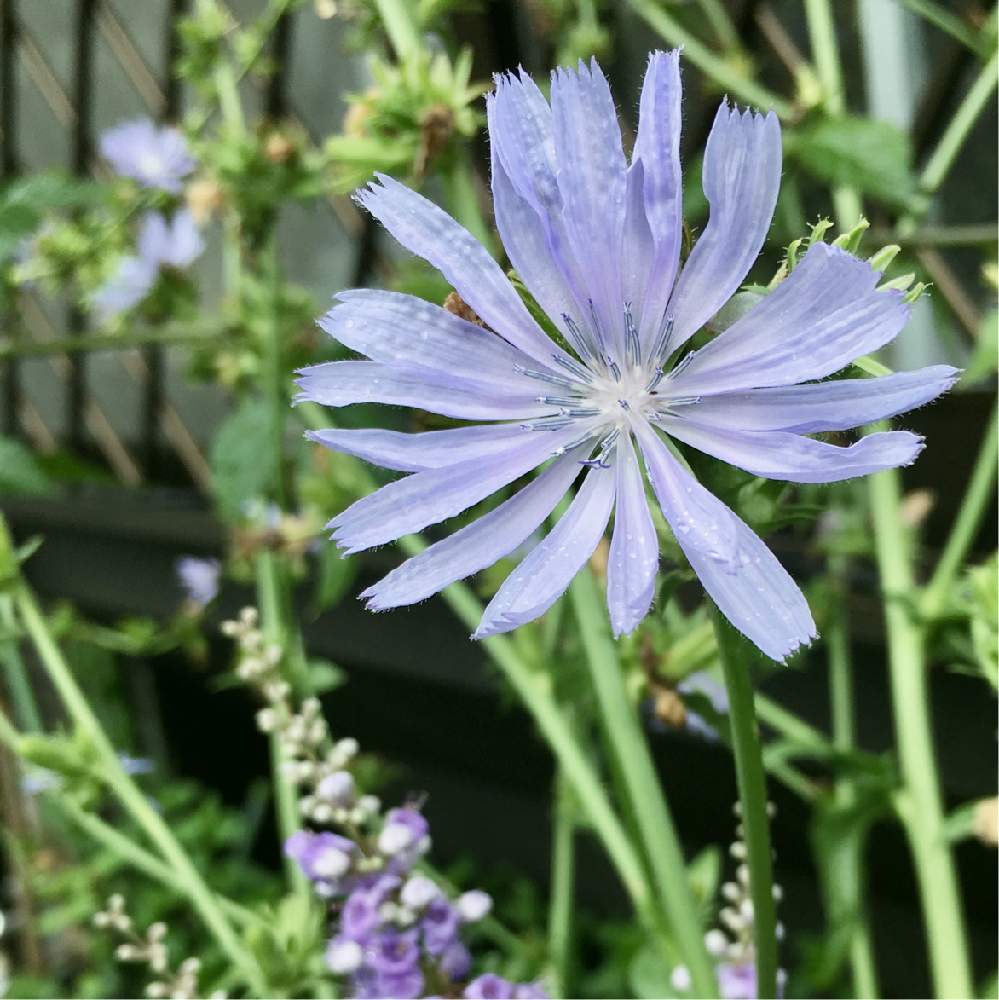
474 905
680 978
331 863
715 942
369 804
419 891
337 787
344 957
266 720
126 952
394 838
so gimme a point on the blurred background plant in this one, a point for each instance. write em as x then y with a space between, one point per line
157 297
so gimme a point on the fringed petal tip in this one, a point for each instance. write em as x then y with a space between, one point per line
796 646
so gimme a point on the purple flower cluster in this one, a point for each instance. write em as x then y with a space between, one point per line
396 931
159 159
175 243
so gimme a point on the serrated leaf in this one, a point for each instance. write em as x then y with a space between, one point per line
871 156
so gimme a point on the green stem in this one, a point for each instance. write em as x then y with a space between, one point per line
951 142
849 892
168 337
825 51
120 783
920 800
560 911
22 696
736 656
980 492
645 797
269 596
132 854
400 26
723 73
716 14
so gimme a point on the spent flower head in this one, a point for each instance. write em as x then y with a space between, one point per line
596 240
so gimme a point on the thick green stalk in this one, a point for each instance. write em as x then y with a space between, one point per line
185 876
849 891
825 52
980 492
561 905
920 803
23 698
951 142
269 597
723 73
174 335
736 656
624 734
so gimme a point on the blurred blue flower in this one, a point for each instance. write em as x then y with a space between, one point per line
173 243
199 578
176 243
155 157
597 242
131 282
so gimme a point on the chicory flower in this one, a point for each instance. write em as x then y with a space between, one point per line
157 158
596 240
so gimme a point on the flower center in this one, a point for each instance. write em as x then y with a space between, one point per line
617 397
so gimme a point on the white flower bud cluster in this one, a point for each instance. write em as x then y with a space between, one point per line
150 950
732 941
309 756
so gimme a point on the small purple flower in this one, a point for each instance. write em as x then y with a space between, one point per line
440 923
531 991
405 832
737 980
199 578
455 961
597 241
489 987
176 243
400 986
131 282
360 915
394 953
155 157
323 857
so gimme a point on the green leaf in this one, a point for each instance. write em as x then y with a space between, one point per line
242 467
874 157
20 473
